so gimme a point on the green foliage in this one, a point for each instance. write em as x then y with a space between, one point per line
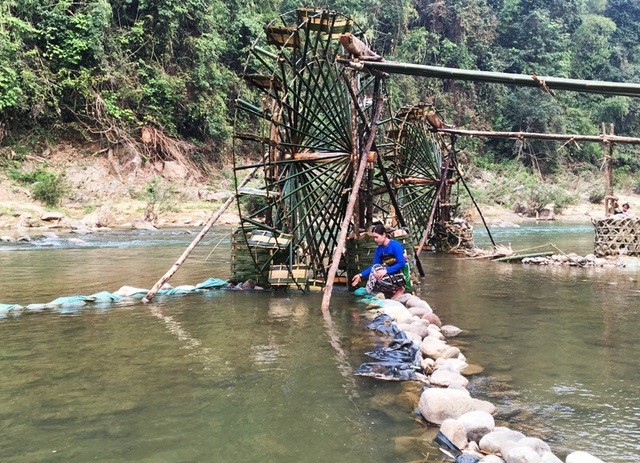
159 198
45 186
110 67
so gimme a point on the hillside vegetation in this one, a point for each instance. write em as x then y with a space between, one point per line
150 81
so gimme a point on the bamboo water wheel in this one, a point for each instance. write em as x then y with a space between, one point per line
309 118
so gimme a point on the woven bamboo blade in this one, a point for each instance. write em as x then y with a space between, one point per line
282 36
292 277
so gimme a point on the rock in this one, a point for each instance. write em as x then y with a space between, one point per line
456 365
394 309
403 298
418 303
444 377
477 424
139 224
174 170
50 216
50 235
416 328
24 239
522 455
419 311
432 318
472 369
582 457
432 347
538 445
452 352
450 331
548 457
7 239
455 432
437 405
500 440
492 459
81 229
434 332
77 242
415 337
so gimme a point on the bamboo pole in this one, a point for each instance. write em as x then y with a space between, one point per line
212 220
607 171
548 84
344 227
604 138
436 203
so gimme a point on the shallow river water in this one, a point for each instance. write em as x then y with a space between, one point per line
241 376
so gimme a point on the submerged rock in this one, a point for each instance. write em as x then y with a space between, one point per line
582 457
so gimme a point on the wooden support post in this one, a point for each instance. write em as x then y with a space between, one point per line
344 227
607 170
212 220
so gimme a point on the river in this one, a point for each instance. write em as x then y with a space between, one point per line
237 376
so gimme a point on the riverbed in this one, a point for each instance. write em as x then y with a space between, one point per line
235 376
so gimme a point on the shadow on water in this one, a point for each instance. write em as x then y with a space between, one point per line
231 376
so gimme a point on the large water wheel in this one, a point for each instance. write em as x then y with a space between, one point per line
309 116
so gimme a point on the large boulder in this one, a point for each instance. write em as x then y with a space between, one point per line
477 424
437 405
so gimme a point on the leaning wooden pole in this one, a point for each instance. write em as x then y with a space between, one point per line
344 227
212 220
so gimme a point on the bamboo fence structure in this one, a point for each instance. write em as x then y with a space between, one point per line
617 235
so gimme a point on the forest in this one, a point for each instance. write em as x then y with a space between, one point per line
102 70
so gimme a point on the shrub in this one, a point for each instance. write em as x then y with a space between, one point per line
47 187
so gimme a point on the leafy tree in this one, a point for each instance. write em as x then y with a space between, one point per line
592 47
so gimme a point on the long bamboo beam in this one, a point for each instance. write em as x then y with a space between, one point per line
546 83
604 138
